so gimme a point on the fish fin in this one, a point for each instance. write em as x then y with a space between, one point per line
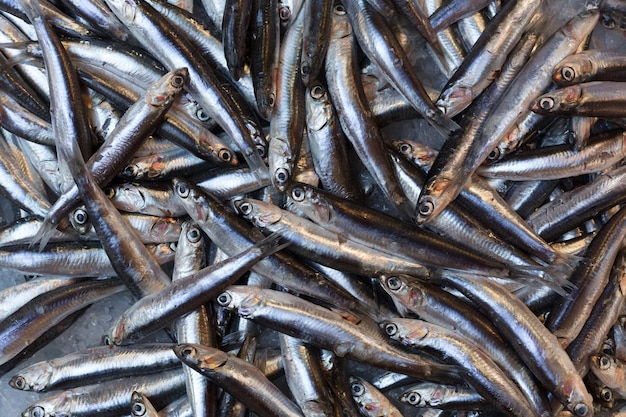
542 276
259 169
271 244
445 125
44 234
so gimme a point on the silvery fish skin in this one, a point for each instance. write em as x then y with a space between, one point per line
370 400
487 57
111 398
95 364
347 336
428 394
594 98
484 375
47 310
590 65
142 19
140 406
239 378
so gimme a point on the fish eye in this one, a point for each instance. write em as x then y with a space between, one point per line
284 13
394 283
413 398
80 216
357 389
546 103
317 92
109 192
182 189
225 155
177 81
568 73
18 382
426 207
604 363
202 115
495 154
281 175
271 99
244 208
606 394
339 10
38 411
193 235
139 409
581 409
391 329
262 150
405 148
130 171
188 351
305 68
297 194
106 340
607 21
224 299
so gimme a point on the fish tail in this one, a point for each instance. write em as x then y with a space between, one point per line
445 125
271 244
44 234
552 276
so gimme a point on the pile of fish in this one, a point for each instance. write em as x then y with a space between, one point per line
366 207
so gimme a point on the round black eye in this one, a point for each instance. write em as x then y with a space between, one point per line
317 92
568 73
130 171
193 235
281 175
546 103
581 409
188 351
245 208
495 154
339 10
357 389
426 207
607 21
261 150
177 81
106 340
305 69
224 299
109 192
284 13
605 362
18 382
202 115
606 394
405 148
391 329
413 398
38 412
393 283
297 194
183 190
225 155
138 409
80 216
271 99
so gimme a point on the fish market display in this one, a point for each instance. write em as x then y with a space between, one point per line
314 208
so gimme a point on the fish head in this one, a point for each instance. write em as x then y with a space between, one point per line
244 299
564 99
435 196
34 378
310 201
261 214
406 331
319 110
59 405
574 69
202 358
166 89
419 154
281 160
454 100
